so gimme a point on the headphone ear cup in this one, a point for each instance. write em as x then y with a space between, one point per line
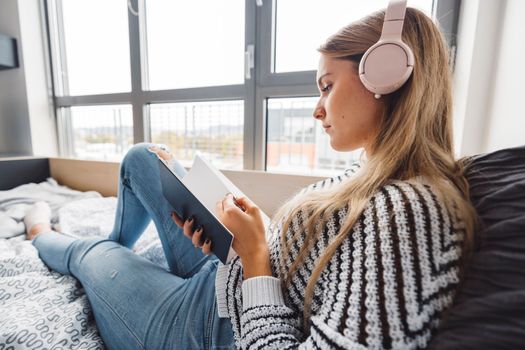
386 66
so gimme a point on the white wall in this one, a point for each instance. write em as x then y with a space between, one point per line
39 92
15 138
489 67
27 125
506 122
38 86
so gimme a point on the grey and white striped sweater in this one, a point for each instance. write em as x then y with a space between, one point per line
385 288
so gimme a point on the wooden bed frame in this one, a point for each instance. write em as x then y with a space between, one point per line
267 190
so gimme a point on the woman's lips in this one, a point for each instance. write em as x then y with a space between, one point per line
326 127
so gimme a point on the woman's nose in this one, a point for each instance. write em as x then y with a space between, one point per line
318 112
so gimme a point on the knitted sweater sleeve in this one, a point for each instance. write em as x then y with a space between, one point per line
386 287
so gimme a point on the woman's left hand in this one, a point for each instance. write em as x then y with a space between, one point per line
247 227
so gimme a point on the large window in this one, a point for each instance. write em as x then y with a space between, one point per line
232 80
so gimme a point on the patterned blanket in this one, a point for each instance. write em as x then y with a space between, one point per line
42 309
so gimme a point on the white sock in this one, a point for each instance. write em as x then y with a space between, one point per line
39 213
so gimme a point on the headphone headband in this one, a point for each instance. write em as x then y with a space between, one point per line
394 19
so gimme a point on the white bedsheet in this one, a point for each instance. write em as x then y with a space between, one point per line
40 308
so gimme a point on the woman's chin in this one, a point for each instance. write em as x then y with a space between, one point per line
343 147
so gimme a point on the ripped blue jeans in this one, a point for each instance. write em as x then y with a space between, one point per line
137 304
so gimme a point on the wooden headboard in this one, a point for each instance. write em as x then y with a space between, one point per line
267 190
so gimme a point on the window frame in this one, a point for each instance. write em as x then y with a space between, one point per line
263 84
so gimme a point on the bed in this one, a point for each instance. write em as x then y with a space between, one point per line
40 308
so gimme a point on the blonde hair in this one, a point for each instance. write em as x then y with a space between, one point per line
414 138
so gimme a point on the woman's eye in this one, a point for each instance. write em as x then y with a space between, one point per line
326 88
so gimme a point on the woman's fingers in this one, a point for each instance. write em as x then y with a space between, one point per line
233 204
195 236
229 202
243 203
206 247
219 208
196 239
177 220
162 153
154 149
246 203
188 227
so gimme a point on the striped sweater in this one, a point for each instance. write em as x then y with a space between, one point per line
385 287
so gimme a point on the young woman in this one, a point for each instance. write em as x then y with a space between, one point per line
367 259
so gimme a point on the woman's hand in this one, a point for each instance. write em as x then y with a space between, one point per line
194 236
161 153
247 227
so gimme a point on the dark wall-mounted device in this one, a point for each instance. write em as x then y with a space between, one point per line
8 52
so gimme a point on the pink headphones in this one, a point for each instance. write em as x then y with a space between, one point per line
387 64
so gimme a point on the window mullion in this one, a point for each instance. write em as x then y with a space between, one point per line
62 74
262 69
139 130
250 146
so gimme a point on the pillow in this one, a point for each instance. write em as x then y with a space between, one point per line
489 309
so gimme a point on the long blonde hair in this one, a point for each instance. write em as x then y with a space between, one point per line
414 138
